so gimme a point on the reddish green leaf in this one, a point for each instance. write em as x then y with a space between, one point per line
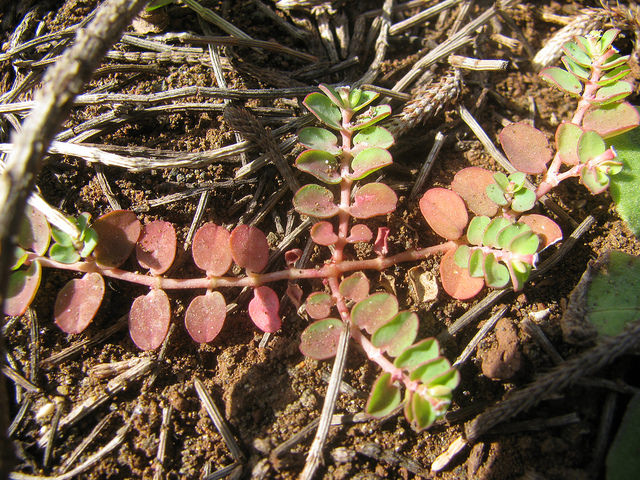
205 316
322 165
562 79
373 199
211 249
318 305
590 145
156 247
373 137
249 248
614 75
471 184
445 212
611 120
548 230
613 93
149 319
397 335
495 274
320 339
526 147
456 280
118 232
368 161
385 397
323 234
323 109
430 370
567 136
423 414
35 232
577 53
263 309
315 201
21 289
359 233
423 351
355 287
496 225
371 116
319 139
78 302
374 311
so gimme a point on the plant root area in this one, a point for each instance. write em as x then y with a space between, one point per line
95 403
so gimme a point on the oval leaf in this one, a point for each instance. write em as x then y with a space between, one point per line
422 352
318 305
471 184
359 233
611 120
320 339
445 212
567 136
322 165
368 161
149 319
211 249
355 287
319 139
205 316
315 201
456 280
156 247
548 230
78 302
562 79
249 248
323 109
526 147
35 232
395 336
263 309
384 398
590 145
118 232
323 234
373 199
374 311
21 289
373 137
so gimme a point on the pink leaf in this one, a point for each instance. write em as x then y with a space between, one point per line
548 230
355 287
373 199
526 147
205 316
156 247
294 292
360 233
211 249
292 256
34 232
78 302
456 280
249 248
118 232
149 319
445 212
471 184
320 339
22 288
322 233
613 119
263 309
381 245
318 305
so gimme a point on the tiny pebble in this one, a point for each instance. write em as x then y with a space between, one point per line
343 455
45 411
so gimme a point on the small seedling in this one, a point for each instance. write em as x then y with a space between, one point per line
496 245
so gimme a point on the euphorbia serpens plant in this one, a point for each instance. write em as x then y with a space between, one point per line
496 246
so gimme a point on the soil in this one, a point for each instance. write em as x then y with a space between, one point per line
269 393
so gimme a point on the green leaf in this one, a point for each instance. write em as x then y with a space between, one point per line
625 186
590 146
613 75
368 161
90 238
156 4
323 109
317 138
374 311
315 201
371 116
366 97
495 274
577 54
430 370
525 244
63 254
396 336
502 180
496 225
594 179
385 397
20 255
62 238
476 263
519 272
614 61
335 95
623 461
462 255
354 97
606 40
477 228
523 200
496 194
422 352
423 413
507 235
517 179
449 379
611 120
322 165
320 339
578 70
374 137
562 79
612 93
567 137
